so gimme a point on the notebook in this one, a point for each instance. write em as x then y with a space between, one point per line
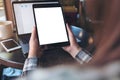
24 20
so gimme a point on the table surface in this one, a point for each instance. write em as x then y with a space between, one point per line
49 58
13 59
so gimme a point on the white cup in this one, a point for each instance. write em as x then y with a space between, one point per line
6 29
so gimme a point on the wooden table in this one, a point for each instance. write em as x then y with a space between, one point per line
13 59
49 58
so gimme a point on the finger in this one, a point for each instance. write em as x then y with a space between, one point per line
71 36
33 35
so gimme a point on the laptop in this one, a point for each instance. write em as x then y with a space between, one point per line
24 20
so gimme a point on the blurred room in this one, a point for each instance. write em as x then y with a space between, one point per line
95 24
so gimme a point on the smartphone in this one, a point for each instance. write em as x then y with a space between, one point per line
10 45
50 24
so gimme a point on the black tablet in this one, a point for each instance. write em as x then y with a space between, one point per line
50 24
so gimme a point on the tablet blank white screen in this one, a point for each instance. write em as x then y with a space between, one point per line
50 25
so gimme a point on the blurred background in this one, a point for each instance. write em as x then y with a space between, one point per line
99 21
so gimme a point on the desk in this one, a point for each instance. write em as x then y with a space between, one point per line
14 59
50 58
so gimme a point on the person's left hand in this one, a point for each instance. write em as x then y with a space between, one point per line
34 47
73 48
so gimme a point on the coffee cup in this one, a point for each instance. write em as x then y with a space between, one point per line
6 29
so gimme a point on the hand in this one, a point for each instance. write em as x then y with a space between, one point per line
35 50
73 48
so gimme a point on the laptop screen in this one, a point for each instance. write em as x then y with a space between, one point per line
24 18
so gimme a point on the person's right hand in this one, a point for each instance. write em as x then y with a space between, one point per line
34 47
73 48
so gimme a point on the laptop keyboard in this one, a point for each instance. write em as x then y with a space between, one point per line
25 39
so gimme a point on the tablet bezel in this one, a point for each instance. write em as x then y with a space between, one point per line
58 44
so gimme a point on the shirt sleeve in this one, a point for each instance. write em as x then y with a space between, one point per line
29 65
83 56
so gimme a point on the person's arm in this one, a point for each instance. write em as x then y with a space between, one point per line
83 56
35 53
29 65
75 50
